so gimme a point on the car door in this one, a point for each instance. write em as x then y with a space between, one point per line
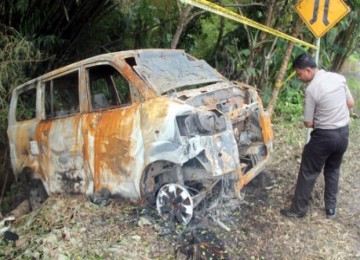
113 141
59 135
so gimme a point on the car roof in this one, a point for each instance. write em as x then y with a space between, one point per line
112 56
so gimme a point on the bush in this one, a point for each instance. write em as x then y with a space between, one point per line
290 104
354 86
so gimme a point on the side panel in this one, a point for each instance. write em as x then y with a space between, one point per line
21 131
113 149
23 150
161 138
60 142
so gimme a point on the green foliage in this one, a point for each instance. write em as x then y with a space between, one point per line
341 41
16 55
55 28
354 86
10 197
290 103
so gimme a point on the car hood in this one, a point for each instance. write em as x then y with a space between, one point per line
170 70
226 97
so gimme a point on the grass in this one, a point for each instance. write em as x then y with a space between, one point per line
354 86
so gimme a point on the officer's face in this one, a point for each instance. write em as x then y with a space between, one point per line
305 75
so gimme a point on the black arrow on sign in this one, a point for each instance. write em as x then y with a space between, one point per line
326 13
316 11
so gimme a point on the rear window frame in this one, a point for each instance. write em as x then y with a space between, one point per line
54 77
31 86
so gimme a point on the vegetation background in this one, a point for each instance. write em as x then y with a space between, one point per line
37 36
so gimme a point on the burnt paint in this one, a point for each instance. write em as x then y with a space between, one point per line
70 183
110 142
112 132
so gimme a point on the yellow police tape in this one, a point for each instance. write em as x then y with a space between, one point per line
280 84
211 7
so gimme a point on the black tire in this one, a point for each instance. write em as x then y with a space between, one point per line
37 194
33 190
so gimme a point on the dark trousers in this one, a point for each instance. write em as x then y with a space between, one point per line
324 150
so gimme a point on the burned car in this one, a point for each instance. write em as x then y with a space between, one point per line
154 124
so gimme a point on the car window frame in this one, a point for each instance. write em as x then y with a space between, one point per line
29 86
88 88
43 91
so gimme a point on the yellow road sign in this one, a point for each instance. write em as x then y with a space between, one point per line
321 15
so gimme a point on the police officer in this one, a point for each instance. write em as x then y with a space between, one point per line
327 104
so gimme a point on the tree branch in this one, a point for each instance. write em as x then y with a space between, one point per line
245 5
193 16
282 71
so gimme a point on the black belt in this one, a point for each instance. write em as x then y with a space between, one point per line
340 129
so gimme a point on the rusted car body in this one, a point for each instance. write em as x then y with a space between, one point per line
135 121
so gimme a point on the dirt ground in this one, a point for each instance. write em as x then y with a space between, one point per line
72 227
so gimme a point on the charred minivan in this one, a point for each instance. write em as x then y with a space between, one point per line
155 124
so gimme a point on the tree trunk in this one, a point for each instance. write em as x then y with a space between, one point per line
280 76
220 36
269 16
262 50
251 44
340 58
180 27
267 61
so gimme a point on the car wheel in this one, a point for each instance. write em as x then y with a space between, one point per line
174 202
37 194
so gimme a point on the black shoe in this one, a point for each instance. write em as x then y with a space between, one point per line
290 214
330 213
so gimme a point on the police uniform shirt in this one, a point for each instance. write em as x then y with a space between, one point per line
325 101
